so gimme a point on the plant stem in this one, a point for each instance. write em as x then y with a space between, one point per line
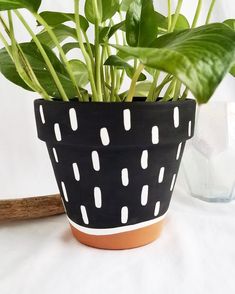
169 15
197 14
176 16
84 52
45 57
210 11
89 51
62 54
133 83
159 88
98 61
153 86
177 90
169 91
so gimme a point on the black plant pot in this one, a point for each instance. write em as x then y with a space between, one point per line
116 165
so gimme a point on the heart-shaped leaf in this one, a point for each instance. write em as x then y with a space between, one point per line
119 63
61 31
8 69
107 32
141 23
80 72
200 57
54 19
32 5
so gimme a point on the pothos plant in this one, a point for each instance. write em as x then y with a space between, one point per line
164 56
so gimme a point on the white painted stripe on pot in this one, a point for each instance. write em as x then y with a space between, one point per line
84 215
57 132
155 135
124 215
190 128
161 175
127 119
55 154
95 160
176 117
125 177
104 135
144 159
76 172
157 208
179 151
98 197
64 192
173 182
73 119
144 195
117 230
41 111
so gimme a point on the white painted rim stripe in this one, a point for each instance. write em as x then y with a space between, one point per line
104 135
176 117
105 232
155 135
42 114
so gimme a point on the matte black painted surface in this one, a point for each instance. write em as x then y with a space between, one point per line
126 144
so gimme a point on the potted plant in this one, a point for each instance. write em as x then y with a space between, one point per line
116 154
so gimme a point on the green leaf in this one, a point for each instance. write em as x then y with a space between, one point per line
199 58
230 23
232 71
32 5
80 72
141 23
8 69
106 10
107 32
75 45
125 4
109 7
182 23
61 31
119 63
141 90
54 19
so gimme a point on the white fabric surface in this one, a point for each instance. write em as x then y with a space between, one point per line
195 254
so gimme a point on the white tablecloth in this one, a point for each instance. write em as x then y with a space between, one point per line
195 254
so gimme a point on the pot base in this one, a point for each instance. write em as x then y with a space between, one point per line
126 240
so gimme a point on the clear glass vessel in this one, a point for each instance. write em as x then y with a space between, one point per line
209 160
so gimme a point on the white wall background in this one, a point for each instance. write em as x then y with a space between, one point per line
25 169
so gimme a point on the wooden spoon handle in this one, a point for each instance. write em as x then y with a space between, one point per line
30 208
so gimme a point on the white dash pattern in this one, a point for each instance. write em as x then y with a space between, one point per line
98 197
157 208
64 192
95 160
104 135
57 132
125 177
144 195
144 159
55 154
176 117
127 119
155 135
84 215
42 114
179 151
161 175
190 128
76 172
173 182
73 119
124 215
